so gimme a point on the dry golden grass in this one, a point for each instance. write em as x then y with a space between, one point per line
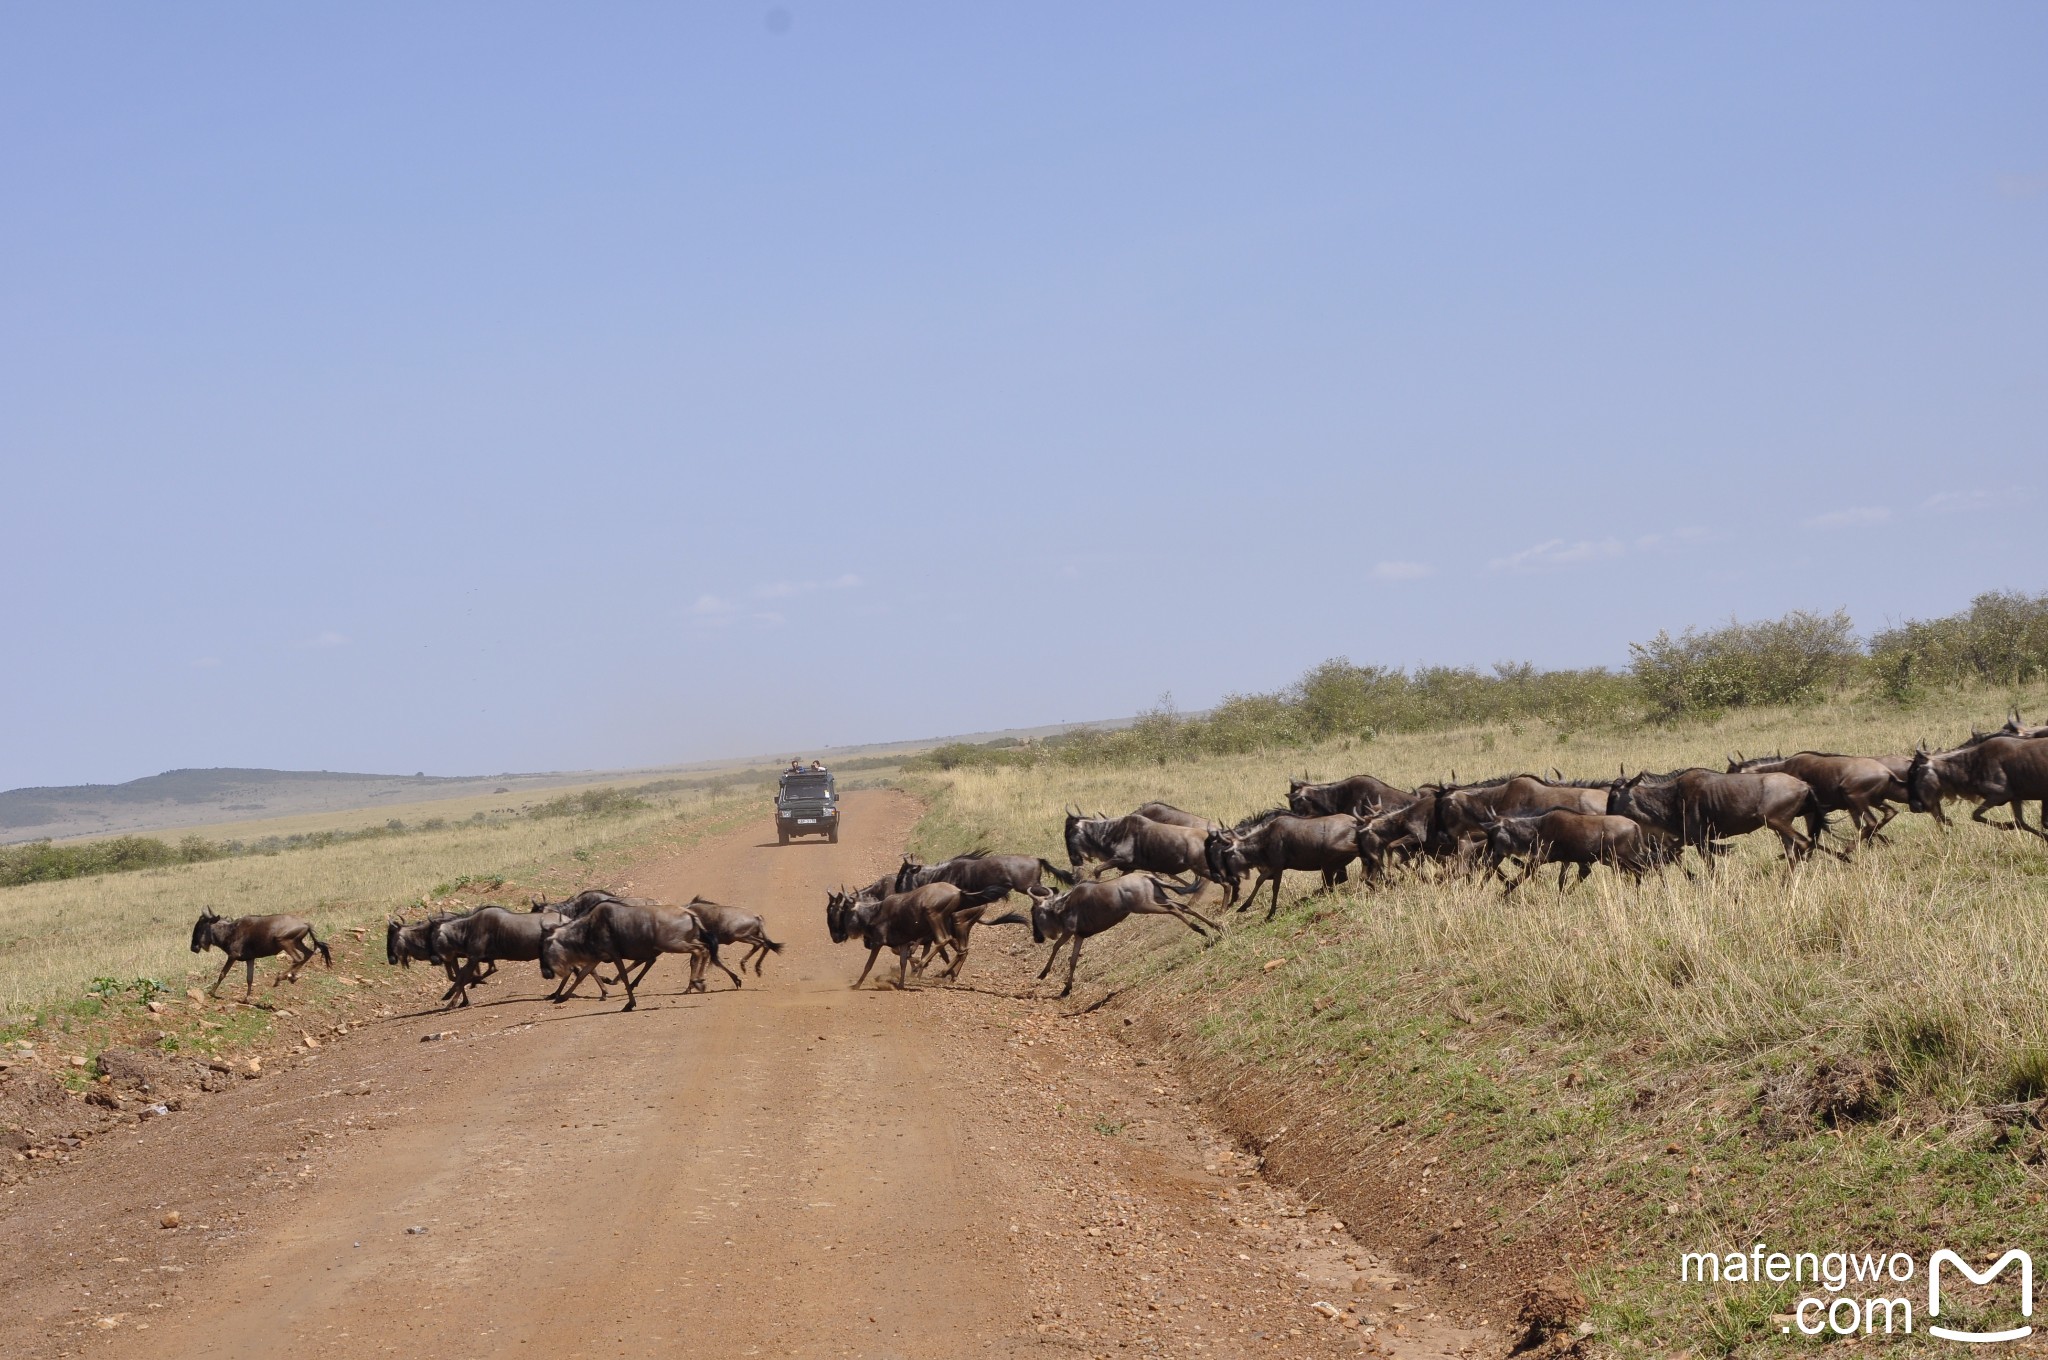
56 936
1930 950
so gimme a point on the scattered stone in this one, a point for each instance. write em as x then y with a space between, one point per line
195 996
416 1231
309 1041
438 1035
170 1220
1271 964
156 1008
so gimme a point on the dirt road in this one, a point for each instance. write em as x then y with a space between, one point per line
789 1169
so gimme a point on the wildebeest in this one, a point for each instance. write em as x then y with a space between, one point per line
1698 807
1999 771
487 935
1091 908
725 925
1170 815
1566 838
979 869
406 941
1135 844
1462 812
1865 787
249 938
934 916
1361 795
618 933
1274 842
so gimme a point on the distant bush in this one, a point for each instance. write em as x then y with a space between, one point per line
591 803
1782 661
47 862
2001 639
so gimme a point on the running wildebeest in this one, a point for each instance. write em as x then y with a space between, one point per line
980 869
249 938
1462 811
1865 787
1169 815
619 933
725 925
1091 908
1276 841
934 916
1699 806
1361 795
487 935
1131 844
1566 838
1999 771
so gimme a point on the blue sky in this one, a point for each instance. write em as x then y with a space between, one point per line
483 387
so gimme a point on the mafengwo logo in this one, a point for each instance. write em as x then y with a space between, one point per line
1872 1294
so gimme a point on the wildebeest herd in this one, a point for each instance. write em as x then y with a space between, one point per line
1155 859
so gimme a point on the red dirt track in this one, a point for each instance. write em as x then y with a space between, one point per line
792 1169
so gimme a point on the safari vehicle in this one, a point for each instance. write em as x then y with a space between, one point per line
806 804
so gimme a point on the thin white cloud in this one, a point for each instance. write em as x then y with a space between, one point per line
782 590
1855 517
1949 502
1400 571
711 605
1556 552
323 640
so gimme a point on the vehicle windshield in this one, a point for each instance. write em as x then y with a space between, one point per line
807 785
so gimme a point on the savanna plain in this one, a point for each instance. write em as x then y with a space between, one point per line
1522 1110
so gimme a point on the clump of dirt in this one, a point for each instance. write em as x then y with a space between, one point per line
140 1072
1544 1322
1834 1091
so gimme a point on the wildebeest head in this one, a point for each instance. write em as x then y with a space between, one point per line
1509 835
906 876
1297 800
1923 785
1041 919
553 954
1222 858
202 930
1621 798
1073 836
391 954
839 916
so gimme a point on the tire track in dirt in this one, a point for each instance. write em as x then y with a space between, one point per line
791 1169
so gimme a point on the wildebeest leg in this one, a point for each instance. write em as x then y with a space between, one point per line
1882 816
631 1000
1073 962
1987 805
1050 957
221 976
1276 894
903 969
248 978
1562 870
727 971
2019 819
864 972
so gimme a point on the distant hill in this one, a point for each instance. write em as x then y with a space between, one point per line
182 798
196 797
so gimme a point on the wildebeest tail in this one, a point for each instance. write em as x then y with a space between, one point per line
1008 918
769 944
326 954
976 897
1059 875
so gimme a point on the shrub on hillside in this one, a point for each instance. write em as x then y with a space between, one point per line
1780 661
2001 639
